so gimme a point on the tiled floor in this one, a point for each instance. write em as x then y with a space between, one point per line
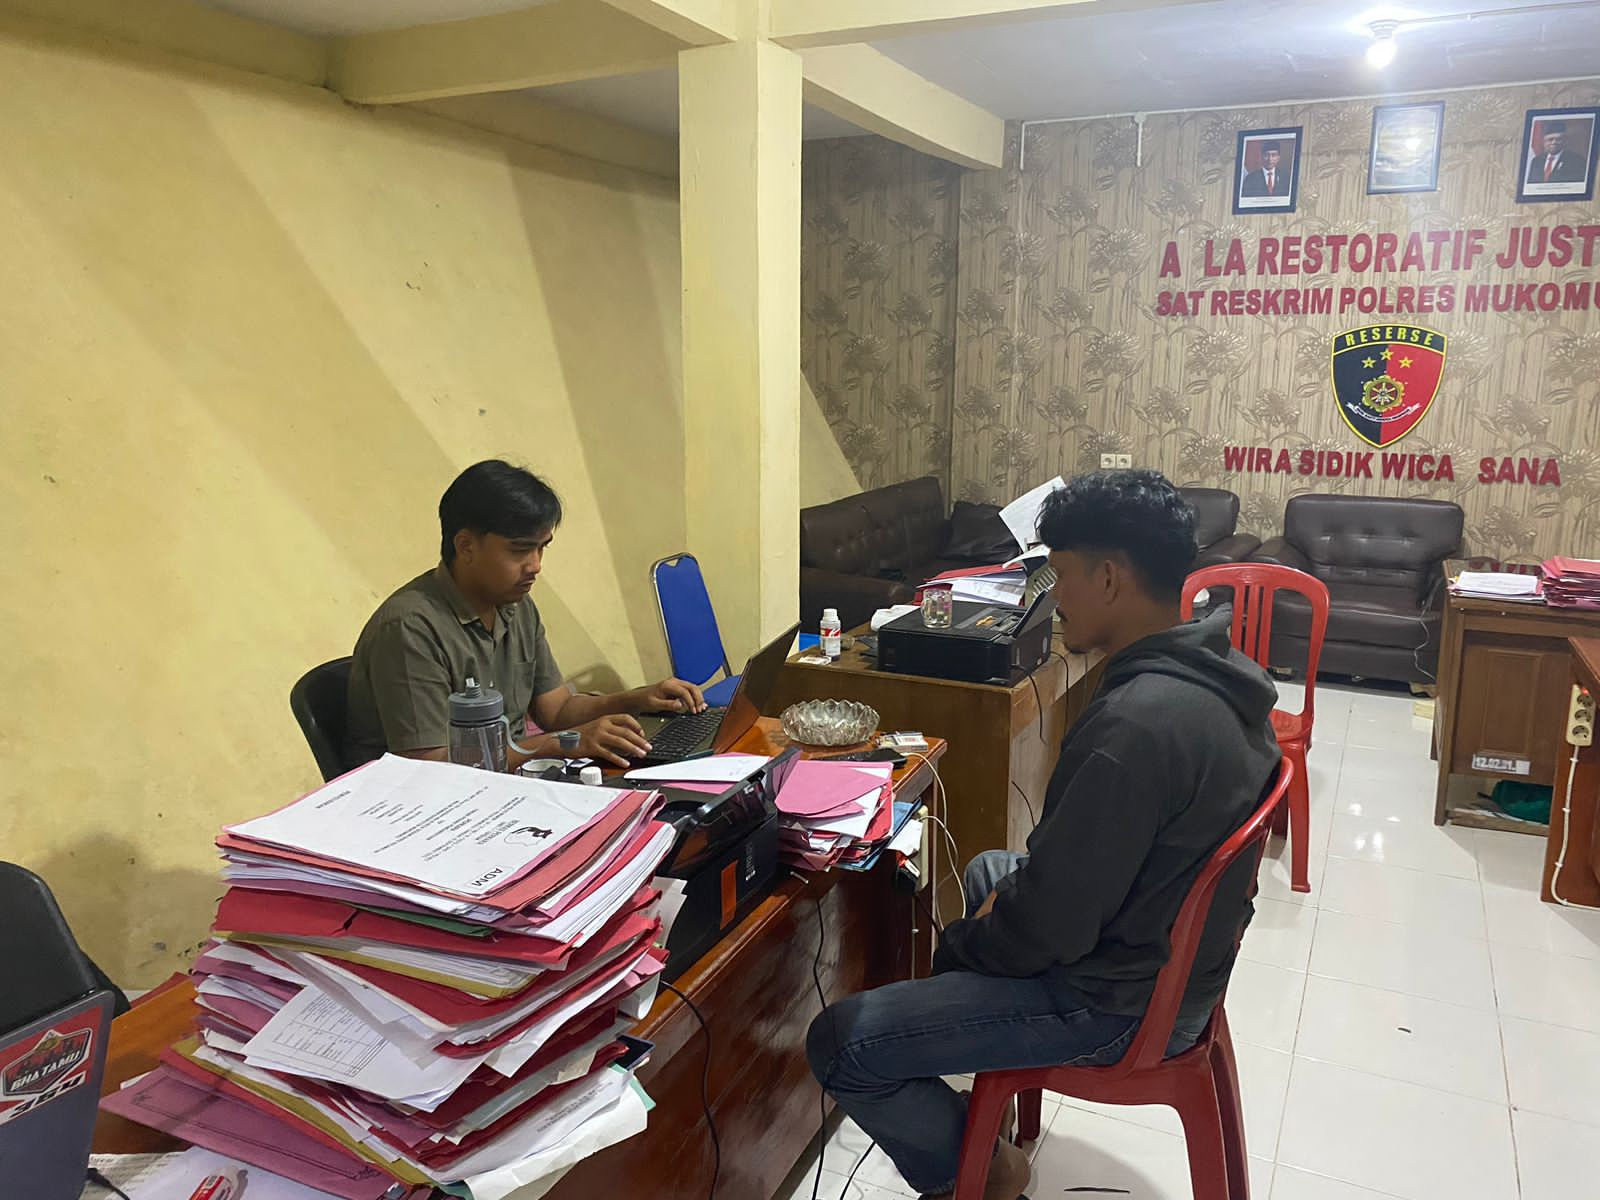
1419 1027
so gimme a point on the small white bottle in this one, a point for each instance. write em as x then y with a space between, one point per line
830 633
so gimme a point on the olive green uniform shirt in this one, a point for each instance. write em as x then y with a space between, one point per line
413 653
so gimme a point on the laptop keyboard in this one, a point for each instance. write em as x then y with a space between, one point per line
684 735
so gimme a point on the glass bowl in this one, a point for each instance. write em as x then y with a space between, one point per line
829 722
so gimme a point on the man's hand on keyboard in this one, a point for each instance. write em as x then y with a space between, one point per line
617 739
674 696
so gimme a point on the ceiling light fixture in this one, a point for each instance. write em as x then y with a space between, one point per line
1382 51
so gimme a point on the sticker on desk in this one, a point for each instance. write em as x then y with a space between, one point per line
1501 764
49 1066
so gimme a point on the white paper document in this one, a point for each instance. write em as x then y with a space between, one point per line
316 1036
542 1169
444 826
1021 516
178 1175
715 768
1496 583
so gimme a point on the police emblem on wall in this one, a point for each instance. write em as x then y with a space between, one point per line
1385 378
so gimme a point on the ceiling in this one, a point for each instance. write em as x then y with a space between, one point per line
1211 53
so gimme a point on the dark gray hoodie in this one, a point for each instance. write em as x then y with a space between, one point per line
1171 757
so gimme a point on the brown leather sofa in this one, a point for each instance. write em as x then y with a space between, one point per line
865 552
1383 562
1216 516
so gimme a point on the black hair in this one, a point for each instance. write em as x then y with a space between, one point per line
1137 515
1265 146
496 497
1550 127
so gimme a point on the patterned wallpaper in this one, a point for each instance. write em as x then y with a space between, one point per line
878 284
1059 357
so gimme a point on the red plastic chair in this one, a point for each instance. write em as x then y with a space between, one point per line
1202 1083
1254 585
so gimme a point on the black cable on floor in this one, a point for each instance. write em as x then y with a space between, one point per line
822 1094
705 1090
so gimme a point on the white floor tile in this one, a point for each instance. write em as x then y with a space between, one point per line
1084 1150
1290 1184
1552 988
1396 1137
1555 1158
1400 958
1264 1004
833 1188
1397 731
1402 896
1273 881
1440 851
1386 786
1509 859
1279 934
1403 1037
1517 917
848 1143
1553 1070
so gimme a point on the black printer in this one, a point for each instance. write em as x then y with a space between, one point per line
984 643
726 854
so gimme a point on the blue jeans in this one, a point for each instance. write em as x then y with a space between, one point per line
880 1054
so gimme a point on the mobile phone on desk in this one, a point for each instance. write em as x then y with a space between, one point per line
879 755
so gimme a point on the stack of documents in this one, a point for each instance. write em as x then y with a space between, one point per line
834 813
1572 582
1499 585
425 969
1003 583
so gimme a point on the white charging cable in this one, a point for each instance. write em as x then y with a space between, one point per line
955 853
1566 834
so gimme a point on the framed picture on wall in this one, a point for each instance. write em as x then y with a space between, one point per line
1405 148
1558 154
1267 175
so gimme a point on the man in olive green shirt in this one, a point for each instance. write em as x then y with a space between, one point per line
496 522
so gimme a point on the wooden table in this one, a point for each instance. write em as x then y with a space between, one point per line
756 992
1504 687
1002 750
1579 882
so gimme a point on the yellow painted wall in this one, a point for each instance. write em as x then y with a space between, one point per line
247 335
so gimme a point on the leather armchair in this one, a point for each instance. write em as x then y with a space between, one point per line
1216 516
866 552
1382 560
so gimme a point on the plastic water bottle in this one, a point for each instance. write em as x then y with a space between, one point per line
831 629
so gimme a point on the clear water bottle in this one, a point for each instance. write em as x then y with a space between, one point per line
479 731
831 630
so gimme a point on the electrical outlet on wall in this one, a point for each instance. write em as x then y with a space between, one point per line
1108 462
1124 462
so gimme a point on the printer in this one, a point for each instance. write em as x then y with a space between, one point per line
984 643
726 854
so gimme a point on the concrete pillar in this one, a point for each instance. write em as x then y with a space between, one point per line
739 172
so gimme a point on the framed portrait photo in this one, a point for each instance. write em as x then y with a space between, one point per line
1405 148
1267 173
1558 154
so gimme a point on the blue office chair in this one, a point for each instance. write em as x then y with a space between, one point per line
690 623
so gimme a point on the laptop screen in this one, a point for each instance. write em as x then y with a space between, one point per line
755 688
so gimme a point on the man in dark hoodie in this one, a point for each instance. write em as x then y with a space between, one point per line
1058 955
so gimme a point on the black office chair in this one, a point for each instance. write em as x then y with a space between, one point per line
46 969
318 702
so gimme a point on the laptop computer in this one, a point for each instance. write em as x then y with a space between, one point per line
688 735
50 1073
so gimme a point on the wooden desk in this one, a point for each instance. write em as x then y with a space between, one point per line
756 992
1001 752
1580 876
1504 687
